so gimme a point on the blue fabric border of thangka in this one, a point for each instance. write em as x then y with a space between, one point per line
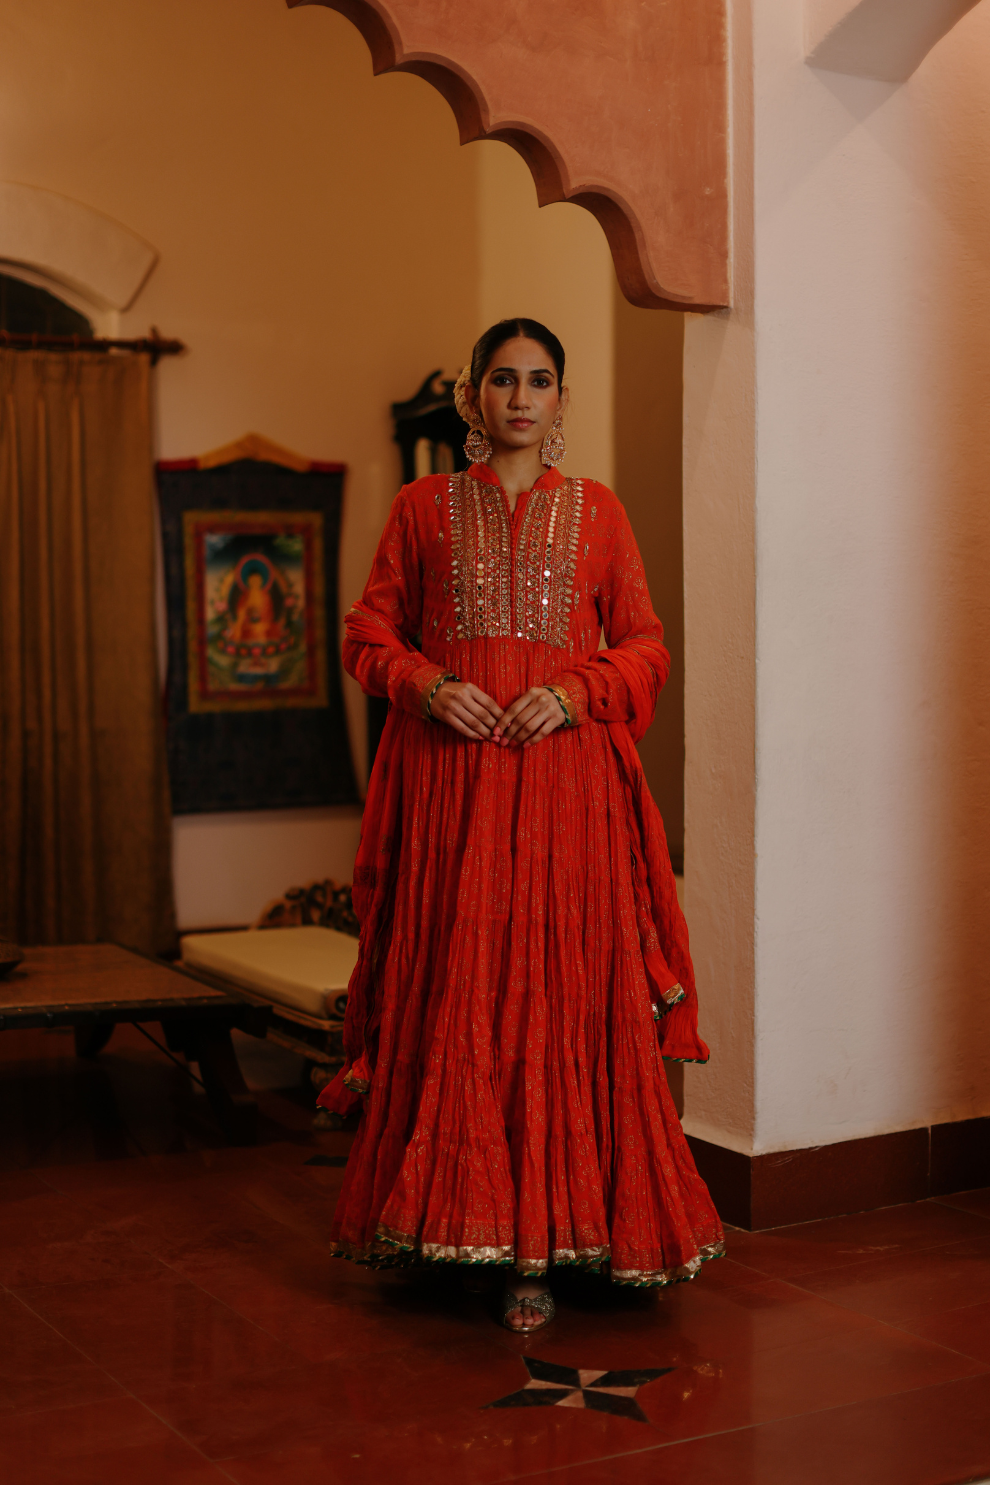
252 760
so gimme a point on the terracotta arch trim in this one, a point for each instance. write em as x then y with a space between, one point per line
620 108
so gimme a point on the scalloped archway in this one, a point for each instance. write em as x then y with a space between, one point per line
623 113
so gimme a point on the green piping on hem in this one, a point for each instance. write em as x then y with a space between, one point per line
407 1257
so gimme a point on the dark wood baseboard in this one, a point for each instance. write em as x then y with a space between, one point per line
761 1191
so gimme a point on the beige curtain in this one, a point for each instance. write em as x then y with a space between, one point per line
85 837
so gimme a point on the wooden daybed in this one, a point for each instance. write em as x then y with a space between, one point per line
296 962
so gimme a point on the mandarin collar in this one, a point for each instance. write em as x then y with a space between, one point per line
548 480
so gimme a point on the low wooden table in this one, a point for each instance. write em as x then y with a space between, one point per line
91 987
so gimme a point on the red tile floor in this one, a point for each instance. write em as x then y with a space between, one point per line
169 1314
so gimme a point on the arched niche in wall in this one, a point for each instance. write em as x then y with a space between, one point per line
622 110
88 259
28 308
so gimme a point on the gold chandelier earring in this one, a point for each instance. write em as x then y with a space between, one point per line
554 448
477 445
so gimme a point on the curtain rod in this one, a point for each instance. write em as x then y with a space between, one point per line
152 345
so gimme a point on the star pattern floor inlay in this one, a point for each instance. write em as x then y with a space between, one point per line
169 1312
553 1386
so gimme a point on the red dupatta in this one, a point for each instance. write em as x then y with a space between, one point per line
373 879
670 963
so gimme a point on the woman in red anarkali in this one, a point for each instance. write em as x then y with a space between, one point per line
524 963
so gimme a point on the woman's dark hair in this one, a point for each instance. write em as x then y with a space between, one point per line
505 330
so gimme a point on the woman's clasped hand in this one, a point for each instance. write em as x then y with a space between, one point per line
466 708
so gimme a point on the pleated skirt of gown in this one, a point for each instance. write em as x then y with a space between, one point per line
519 1111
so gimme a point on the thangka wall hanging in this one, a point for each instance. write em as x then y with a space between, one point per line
254 703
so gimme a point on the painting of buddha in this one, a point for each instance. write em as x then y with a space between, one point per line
254 591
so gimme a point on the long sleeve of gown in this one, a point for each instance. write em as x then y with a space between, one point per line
621 683
378 650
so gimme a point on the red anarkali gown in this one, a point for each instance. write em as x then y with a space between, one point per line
523 963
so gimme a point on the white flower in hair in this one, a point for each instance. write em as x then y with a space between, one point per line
460 398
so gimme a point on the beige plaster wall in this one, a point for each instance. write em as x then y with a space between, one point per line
320 236
836 468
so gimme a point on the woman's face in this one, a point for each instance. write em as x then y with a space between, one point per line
519 395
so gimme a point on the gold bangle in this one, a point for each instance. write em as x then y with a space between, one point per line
565 703
426 700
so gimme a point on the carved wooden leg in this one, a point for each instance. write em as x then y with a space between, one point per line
232 1101
92 1038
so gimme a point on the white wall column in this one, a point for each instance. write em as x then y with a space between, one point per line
836 470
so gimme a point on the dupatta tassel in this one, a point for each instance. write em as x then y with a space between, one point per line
358 1076
670 971
678 1032
344 1093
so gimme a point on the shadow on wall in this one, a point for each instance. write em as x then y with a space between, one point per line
649 361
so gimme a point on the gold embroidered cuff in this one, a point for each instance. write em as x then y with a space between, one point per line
566 704
426 699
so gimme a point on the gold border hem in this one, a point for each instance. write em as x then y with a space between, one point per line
390 1249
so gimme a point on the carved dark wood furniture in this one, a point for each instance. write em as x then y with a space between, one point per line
430 414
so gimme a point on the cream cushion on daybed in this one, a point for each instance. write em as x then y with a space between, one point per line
305 968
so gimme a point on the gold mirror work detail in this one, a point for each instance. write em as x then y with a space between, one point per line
525 596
